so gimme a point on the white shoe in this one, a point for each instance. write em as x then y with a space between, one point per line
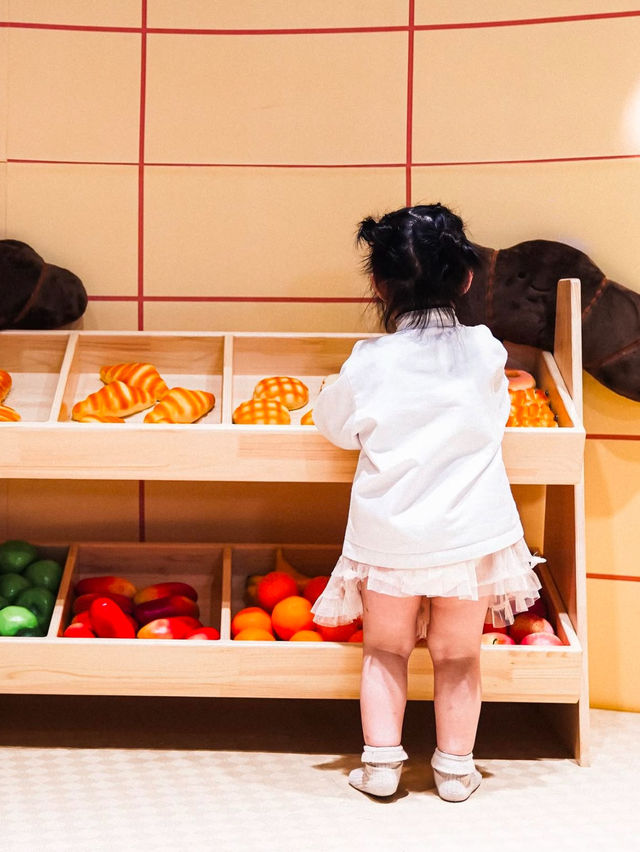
455 775
381 770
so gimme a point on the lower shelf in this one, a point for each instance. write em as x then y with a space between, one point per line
226 668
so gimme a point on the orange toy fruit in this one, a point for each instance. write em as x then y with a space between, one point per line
291 615
274 587
314 588
340 633
254 634
356 637
251 616
261 412
289 391
306 636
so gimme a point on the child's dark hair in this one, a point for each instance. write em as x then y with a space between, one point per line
419 259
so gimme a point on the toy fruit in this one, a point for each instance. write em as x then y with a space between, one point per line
163 590
15 555
40 601
109 621
251 588
314 588
340 633
306 636
117 585
275 586
496 639
526 623
84 601
489 628
254 634
45 572
165 608
165 628
356 637
290 616
251 616
11 585
204 633
3 602
541 639
16 618
79 631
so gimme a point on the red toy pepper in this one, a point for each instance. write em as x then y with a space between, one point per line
84 601
79 630
109 621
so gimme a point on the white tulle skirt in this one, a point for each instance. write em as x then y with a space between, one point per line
506 576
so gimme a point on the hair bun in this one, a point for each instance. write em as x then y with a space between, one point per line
367 231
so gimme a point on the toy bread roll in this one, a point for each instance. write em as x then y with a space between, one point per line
136 375
100 418
307 419
5 384
263 412
290 392
8 414
115 398
180 405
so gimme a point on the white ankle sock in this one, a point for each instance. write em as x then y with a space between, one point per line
380 773
455 775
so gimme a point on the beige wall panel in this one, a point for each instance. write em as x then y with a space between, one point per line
467 11
49 510
256 14
84 218
612 503
614 662
105 316
590 205
74 95
3 198
246 511
608 413
4 87
544 91
103 13
276 99
260 232
259 316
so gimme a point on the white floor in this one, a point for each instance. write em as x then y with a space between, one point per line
237 775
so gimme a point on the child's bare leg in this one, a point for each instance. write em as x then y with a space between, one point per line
389 625
453 639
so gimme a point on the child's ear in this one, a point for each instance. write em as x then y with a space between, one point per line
467 283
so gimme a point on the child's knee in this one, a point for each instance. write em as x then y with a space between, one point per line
443 653
389 644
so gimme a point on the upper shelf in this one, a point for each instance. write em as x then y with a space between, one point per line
52 371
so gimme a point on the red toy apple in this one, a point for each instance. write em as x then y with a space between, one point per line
496 639
541 639
526 623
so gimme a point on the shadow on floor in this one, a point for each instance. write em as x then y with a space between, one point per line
506 731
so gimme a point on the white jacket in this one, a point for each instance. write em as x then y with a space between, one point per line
427 410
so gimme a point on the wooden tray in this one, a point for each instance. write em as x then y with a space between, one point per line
59 665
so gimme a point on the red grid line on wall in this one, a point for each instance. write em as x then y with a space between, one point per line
623 577
410 67
142 511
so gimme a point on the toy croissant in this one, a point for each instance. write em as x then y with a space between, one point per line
181 405
8 414
136 375
514 293
5 384
116 399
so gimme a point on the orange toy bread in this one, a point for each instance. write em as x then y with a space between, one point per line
181 405
136 375
520 380
5 384
530 407
292 393
115 398
307 419
264 412
100 418
8 414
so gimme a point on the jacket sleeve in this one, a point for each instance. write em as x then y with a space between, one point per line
334 413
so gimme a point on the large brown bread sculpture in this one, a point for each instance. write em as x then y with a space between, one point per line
514 293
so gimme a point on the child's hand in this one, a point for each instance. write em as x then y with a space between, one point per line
329 380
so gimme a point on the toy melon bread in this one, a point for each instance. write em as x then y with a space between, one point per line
291 392
263 412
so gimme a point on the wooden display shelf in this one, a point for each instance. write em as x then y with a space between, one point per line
48 444
59 665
